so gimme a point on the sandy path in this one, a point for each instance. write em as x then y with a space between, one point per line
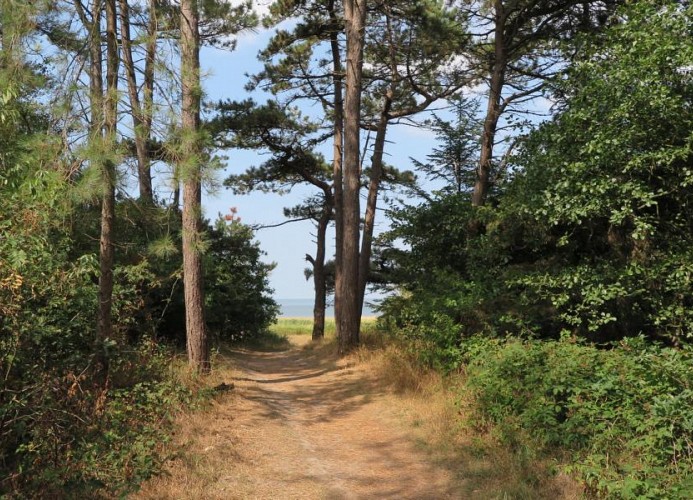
300 425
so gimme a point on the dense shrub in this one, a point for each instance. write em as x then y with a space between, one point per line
84 440
624 412
239 301
591 235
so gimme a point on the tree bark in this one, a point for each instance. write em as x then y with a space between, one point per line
110 116
372 200
337 163
196 332
319 275
142 131
96 135
488 136
350 317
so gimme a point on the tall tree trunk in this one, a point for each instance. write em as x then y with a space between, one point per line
142 132
319 275
488 136
148 79
103 320
372 200
110 116
338 138
350 320
196 332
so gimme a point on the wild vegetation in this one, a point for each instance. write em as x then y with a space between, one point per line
548 272
566 299
91 296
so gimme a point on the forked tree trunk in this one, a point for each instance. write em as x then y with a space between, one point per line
196 332
350 315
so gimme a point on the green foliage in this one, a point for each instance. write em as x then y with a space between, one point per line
592 235
91 441
588 248
610 176
454 162
623 412
239 304
63 433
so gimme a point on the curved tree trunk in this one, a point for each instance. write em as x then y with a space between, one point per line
493 109
372 200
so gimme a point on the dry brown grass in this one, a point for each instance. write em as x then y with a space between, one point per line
198 445
438 414
245 447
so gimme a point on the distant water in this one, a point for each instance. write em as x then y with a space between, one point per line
303 308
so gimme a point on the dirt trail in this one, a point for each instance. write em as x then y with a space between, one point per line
300 425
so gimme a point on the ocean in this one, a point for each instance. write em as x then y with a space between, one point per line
303 308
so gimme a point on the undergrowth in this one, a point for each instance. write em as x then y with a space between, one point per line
438 409
616 418
90 441
623 413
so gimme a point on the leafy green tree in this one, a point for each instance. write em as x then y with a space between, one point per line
454 162
408 48
610 176
239 303
291 140
411 51
516 49
591 237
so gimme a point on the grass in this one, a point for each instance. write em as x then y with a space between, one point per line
304 326
437 411
433 407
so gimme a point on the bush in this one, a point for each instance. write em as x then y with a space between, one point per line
88 441
623 412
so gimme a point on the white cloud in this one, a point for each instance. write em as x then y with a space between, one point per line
261 7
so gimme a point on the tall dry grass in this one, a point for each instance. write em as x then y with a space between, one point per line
437 409
433 407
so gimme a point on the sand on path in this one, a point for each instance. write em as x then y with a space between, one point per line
300 424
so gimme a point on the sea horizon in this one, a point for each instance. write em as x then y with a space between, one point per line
303 308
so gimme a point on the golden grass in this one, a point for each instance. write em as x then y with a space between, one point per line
434 409
437 411
195 449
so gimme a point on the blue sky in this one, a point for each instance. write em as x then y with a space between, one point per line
287 245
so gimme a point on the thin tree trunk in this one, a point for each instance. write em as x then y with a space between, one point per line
196 332
148 83
355 17
149 62
319 275
141 131
96 135
337 180
488 136
106 247
372 200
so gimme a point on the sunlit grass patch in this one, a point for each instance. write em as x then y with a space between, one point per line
304 326
300 326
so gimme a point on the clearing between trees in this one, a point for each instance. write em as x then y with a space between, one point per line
302 423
